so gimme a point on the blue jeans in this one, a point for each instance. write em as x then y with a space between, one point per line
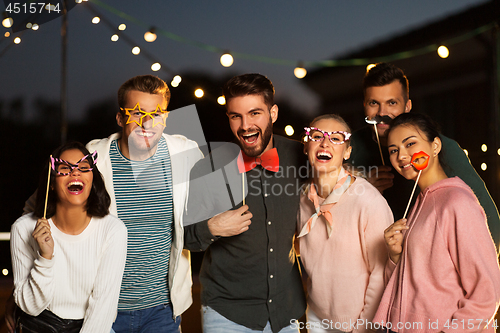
213 322
157 319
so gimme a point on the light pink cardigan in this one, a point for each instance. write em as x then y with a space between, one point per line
346 271
448 269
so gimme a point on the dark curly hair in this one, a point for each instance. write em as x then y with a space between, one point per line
98 201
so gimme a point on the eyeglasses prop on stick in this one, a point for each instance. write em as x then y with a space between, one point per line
48 185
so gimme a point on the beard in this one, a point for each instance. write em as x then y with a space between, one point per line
264 138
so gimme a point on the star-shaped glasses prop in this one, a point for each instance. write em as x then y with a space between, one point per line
136 115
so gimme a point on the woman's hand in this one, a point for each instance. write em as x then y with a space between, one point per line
394 239
43 237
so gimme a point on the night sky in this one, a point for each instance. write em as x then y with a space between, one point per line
287 30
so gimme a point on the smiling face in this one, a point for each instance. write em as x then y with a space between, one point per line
140 142
251 122
73 189
323 155
406 140
388 100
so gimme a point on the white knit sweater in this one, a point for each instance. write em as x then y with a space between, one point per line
82 280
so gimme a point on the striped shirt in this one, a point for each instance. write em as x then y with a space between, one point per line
143 191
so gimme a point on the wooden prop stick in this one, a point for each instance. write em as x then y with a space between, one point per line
378 141
243 186
47 192
419 166
411 196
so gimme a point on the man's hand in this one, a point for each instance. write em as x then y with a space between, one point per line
43 237
394 239
231 222
381 177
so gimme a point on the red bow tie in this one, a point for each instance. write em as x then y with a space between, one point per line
269 160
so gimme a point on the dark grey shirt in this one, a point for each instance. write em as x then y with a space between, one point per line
251 278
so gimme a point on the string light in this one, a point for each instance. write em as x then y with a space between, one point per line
6 34
136 50
29 25
226 59
17 40
35 27
484 166
7 22
289 130
122 27
466 152
484 147
114 38
175 81
325 63
150 35
498 151
221 100
155 67
370 66
199 93
96 20
5 271
299 71
78 1
443 51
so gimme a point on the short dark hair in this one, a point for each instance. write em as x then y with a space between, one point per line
384 73
98 201
146 83
249 84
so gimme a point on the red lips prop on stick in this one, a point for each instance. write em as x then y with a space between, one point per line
424 162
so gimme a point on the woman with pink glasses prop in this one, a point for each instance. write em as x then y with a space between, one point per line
341 226
68 267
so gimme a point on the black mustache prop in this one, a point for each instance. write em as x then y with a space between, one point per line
379 119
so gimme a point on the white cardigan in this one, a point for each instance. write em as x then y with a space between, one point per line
184 153
82 280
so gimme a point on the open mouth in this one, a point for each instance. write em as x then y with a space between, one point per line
324 156
250 138
75 187
145 134
406 166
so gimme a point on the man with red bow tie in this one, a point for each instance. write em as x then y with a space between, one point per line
242 208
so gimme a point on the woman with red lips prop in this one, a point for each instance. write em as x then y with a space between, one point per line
68 266
340 234
443 273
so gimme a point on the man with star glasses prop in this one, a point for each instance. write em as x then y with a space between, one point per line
335 137
64 168
137 115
